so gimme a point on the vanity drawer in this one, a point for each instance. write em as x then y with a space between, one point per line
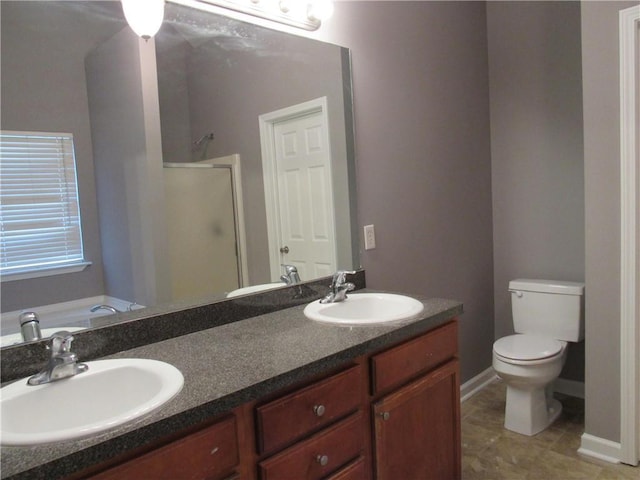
399 364
320 454
291 417
211 453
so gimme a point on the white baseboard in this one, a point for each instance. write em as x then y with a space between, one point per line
569 387
477 383
599 448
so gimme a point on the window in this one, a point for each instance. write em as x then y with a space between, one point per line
40 232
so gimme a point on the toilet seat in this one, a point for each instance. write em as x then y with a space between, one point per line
527 348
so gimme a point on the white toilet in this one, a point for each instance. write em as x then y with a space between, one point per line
546 315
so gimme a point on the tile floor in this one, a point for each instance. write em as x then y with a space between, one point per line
489 452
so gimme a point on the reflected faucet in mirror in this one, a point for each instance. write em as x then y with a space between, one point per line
30 326
291 276
109 308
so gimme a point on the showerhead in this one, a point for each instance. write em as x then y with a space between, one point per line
207 137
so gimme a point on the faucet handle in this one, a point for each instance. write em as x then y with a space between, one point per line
288 269
340 276
26 317
61 342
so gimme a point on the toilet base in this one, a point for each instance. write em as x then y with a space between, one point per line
530 411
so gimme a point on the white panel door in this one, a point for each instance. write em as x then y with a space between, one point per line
305 196
202 233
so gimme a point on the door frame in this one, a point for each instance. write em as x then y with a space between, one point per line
629 23
267 123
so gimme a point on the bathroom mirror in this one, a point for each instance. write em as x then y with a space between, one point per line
219 90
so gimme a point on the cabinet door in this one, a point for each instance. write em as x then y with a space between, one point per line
417 429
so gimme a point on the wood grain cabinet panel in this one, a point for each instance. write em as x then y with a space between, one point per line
210 454
400 364
320 455
293 416
356 470
417 429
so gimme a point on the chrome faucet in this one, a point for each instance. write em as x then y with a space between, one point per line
63 363
339 287
95 308
30 326
291 276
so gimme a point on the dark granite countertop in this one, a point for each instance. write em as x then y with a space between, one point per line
224 367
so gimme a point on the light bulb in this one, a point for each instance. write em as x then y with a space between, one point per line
320 9
144 16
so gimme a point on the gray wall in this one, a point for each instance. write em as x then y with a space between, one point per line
423 157
600 54
125 126
537 162
27 105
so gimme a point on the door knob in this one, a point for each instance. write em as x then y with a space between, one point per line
284 249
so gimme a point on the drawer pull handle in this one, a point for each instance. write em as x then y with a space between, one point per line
319 410
323 460
214 451
384 415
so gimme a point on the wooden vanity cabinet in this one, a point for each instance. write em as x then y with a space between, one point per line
417 430
417 426
391 415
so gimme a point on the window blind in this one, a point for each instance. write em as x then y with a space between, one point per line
39 212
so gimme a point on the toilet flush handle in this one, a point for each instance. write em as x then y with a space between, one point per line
518 293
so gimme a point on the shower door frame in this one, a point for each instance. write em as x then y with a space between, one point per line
231 162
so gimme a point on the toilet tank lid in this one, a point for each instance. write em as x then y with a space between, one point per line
547 286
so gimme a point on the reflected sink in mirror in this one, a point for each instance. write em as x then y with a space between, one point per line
255 289
365 309
70 316
110 393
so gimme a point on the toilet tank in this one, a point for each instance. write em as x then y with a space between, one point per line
547 307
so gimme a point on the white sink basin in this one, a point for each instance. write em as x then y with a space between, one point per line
110 393
365 309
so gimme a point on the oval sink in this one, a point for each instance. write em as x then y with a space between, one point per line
365 309
110 393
